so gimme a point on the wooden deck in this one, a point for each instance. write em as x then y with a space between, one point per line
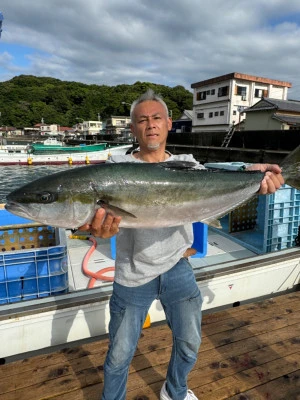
250 352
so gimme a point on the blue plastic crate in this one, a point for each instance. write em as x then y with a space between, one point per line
27 271
277 222
278 218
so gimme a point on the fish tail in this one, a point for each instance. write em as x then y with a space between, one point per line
291 168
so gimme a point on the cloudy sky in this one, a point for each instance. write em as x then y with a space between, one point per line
171 42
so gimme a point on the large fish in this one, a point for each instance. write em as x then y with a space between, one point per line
145 195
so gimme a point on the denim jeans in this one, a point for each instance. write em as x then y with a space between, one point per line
181 299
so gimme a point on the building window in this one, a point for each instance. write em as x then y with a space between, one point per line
258 93
213 91
216 113
200 115
241 90
211 114
208 92
261 93
234 112
201 95
223 91
221 113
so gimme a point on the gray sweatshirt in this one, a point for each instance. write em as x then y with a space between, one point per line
144 254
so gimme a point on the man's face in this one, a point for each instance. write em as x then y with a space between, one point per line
150 125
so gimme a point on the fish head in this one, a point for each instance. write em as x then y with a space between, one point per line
53 201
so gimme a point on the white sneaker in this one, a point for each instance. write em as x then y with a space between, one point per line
190 395
164 394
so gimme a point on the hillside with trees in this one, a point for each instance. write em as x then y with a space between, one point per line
26 99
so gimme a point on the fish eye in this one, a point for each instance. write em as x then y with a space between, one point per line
46 197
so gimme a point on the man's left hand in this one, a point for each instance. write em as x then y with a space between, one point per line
272 180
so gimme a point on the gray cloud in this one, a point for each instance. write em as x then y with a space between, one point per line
170 42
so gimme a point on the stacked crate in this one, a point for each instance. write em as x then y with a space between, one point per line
33 260
277 220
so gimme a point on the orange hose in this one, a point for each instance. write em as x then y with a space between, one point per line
99 275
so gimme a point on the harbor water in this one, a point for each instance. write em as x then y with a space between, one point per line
13 177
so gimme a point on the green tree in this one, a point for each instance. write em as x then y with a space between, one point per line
26 99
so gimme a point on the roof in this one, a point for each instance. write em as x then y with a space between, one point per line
7 128
275 104
245 77
187 114
288 119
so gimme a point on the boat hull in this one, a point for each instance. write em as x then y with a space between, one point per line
49 149
94 157
85 314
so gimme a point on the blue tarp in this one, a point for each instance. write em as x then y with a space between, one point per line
1 19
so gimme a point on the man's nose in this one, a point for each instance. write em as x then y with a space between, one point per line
150 123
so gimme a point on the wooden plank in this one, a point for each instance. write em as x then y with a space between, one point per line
245 380
285 387
212 323
242 350
290 305
217 370
248 345
64 375
86 360
280 302
53 387
146 345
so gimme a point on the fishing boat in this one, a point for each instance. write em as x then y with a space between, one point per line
13 148
55 285
77 155
54 146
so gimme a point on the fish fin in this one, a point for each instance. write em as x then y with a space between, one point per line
178 164
115 210
291 168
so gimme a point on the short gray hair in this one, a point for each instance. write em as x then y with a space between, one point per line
149 95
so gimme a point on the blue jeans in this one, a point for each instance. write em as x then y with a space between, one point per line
181 299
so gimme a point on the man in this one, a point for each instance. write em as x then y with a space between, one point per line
152 264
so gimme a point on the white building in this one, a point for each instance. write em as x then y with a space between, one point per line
218 102
49 129
89 127
117 125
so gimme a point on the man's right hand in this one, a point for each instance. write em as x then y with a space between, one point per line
103 225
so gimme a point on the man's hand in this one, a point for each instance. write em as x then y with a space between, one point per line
189 252
103 226
272 179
